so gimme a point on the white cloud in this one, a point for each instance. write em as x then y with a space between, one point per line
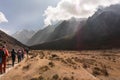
67 9
2 18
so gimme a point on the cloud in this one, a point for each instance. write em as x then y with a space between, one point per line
2 18
67 9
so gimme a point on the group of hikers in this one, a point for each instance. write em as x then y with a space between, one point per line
4 55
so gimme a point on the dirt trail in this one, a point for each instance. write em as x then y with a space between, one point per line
9 67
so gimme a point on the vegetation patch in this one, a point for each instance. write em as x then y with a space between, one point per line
55 77
26 67
44 69
98 71
51 64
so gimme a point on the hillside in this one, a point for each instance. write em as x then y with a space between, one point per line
11 42
100 31
43 35
55 32
67 29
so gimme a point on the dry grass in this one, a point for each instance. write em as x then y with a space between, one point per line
68 65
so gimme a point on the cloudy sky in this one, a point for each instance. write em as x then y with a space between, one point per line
23 14
35 14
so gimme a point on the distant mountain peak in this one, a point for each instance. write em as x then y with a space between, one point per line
23 35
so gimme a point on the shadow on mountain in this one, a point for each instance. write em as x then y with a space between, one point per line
100 31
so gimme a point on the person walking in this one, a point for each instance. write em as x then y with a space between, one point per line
26 51
13 55
19 54
1 58
4 60
23 53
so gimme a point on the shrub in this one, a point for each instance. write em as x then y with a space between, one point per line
85 65
51 64
26 67
41 78
44 68
34 79
66 78
98 71
55 77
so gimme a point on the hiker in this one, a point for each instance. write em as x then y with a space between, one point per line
1 57
4 60
19 54
23 53
13 55
27 51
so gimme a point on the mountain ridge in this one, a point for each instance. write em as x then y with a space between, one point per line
10 41
99 32
23 35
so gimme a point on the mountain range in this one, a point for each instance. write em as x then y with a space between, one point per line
54 32
99 31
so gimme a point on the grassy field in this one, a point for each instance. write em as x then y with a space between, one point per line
68 65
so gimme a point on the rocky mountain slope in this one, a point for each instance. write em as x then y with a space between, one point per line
24 35
43 35
58 31
102 30
10 41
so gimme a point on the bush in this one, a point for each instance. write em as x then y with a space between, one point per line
44 69
26 67
55 77
34 79
85 65
51 64
95 72
105 72
98 71
66 78
41 78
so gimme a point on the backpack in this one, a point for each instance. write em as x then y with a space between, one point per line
1 55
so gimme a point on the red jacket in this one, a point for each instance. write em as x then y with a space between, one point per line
6 54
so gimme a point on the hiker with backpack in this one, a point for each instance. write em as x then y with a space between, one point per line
26 51
23 54
13 55
1 58
19 55
4 59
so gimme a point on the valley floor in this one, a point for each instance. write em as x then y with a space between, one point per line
68 65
